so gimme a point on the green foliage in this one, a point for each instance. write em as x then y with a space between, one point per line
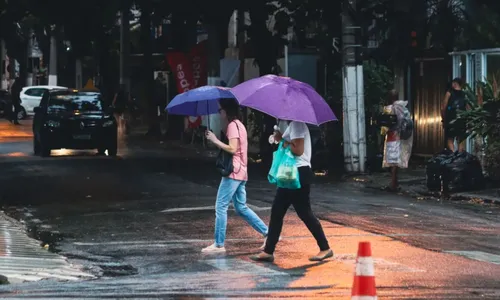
483 117
483 120
492 160
378 81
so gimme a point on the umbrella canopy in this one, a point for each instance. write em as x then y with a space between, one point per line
284 98
198 102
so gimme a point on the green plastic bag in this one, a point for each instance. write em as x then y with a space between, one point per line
284 172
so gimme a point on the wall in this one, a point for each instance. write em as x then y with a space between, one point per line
430 82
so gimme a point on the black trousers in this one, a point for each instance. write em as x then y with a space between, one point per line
16 108
302 205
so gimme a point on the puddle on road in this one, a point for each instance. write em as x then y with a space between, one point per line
117 269
48 239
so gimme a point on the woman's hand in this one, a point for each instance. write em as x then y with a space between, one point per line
211 136
278 136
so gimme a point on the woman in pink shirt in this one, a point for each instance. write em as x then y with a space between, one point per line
232 188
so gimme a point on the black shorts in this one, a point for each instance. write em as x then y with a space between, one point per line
456 131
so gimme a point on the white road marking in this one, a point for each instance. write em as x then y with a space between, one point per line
241 267
478 255
201 208
22 258
380 264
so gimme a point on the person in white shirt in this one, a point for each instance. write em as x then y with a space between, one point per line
296 136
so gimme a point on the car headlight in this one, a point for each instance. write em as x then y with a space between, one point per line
53 124
107 123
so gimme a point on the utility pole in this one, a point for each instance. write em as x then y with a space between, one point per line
241 52
353 93
213 68
53 58
124 45
3 52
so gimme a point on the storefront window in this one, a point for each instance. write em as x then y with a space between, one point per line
463 66
493 66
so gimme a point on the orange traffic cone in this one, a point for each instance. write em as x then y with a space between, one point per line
363 287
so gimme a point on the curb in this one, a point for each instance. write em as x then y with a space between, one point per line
467 196
472 196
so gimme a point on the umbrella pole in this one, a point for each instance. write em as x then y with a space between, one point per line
208 116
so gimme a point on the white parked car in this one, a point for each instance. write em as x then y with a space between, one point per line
31 96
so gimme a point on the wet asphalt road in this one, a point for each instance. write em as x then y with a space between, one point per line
137 224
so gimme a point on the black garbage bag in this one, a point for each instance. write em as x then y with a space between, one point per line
462 172
434 169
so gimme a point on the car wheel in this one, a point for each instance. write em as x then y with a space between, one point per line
45 151
113 148
36 146
21 115
112 151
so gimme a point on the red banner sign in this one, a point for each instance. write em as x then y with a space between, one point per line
190 71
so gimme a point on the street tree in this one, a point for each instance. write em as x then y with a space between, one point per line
13 15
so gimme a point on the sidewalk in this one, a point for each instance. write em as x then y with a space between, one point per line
9 130
413 182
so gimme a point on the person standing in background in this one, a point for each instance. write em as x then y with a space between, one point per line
15 91
454 101
398 139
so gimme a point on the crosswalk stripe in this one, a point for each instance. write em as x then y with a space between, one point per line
212 207
242 267
22 258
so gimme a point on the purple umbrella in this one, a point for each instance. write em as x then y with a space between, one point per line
284 98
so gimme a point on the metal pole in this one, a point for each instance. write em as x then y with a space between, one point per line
353 102
53 60
241 53
286 60
2 61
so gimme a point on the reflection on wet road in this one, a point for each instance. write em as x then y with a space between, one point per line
138 222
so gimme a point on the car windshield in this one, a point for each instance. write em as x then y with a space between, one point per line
75 102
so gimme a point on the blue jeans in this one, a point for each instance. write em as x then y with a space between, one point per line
230 189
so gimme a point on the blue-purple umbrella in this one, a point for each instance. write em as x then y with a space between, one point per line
284 98
201 101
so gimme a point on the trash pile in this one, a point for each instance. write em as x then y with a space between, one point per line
454 172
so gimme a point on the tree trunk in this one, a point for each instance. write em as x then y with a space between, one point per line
17 51
266 58
106 67
53 60
148 70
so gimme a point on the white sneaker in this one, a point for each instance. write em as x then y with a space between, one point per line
213 249
264 245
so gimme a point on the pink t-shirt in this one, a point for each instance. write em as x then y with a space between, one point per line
236 130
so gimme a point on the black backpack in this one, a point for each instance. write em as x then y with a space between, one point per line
406 128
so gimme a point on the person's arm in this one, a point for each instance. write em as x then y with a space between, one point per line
231 148
297 146
114 99
232 135
297 135
445 104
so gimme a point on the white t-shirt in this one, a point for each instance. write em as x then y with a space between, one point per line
299 130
